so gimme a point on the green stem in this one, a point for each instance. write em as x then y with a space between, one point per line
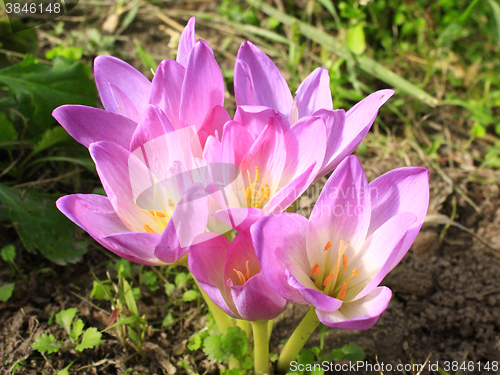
297 340
245 326
222 320
261 347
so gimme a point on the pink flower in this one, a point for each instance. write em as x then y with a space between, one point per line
156 201
257 81
357 233
276 162
186 92
230 275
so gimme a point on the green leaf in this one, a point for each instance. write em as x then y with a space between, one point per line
77 330
128 294
73 54
6 291
41 89
353 352
50 138
100 291
168 320
42 226
91 338
356 39
7 131
212 346
147 60
8 253
194 342
150 279
169 288
233 371
190 295
46 344
181 279
496 14
65 317
235 343
65 371
127 321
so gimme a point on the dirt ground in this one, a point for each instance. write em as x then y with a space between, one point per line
446 302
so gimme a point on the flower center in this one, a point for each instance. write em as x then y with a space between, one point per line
257 193
243 276
160 218
328 279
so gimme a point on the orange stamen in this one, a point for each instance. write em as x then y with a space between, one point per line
328 279
240 276
328 245
355 272
316 268
157 214
148 229
268 191
342 291
344 261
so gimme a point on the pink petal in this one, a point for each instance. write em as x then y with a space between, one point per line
206 262
313 296
114 165
214 124
186 43
136 247
122 88
255 118
188 220
375 259
257 81
342 211
277 233
334 124
361 314
153 124
256 300
358 122
314 93
88 125
166 89
236 142
203 87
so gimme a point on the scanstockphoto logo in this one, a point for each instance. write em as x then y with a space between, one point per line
25 14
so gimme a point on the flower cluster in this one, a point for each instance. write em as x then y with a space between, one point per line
183 179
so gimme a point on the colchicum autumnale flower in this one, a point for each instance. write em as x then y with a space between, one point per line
357 233
230 275
186 92
258 82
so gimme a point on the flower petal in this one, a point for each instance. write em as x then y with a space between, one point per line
256 300
186 43
255 118
334 124
269 235
358 122
377 256
206 262
342 211
236 142
314 93
114 165
203 87
87 125
136 247
153 124
166 89
361 314
257 81
313 296
214 124
188 220
95 215
122 88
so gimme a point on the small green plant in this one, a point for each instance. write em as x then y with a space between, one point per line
79 338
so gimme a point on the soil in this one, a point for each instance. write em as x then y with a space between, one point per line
446 304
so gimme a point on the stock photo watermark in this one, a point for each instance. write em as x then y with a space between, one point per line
25 14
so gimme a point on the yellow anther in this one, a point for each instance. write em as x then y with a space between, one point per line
315 269
240 276
148 229
355 272
248 270
157 214
171 204
257 174
268 191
